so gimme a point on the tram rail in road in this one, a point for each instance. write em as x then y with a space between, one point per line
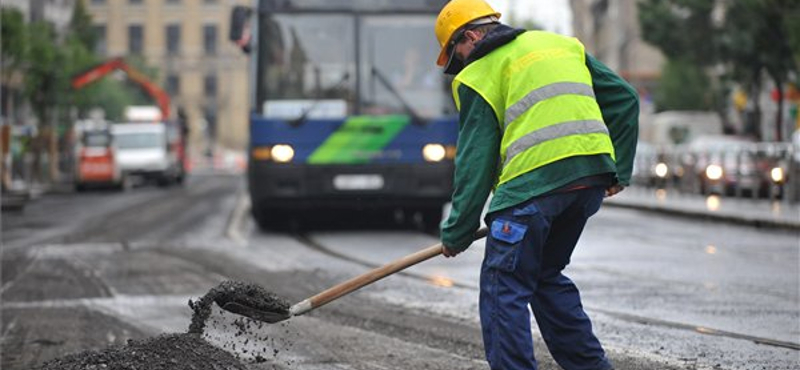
436 280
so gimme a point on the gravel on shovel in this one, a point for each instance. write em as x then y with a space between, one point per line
246 294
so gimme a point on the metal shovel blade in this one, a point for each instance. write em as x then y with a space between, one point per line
256 314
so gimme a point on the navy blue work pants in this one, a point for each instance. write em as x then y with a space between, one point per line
527 248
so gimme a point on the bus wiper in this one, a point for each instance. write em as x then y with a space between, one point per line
415 118
295 122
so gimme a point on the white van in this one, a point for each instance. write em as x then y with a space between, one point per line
671 128
143 151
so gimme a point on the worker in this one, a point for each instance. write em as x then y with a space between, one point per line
551 130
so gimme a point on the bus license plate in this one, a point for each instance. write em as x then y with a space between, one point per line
358 182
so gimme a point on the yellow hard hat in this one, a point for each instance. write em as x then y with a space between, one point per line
457 14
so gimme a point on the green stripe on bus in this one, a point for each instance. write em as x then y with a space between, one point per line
359 139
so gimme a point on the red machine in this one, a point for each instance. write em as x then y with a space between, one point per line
179 141
99 71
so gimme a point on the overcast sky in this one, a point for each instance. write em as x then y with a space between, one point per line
553 15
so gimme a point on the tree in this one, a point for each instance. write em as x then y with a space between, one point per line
754 38
759 38
12 41
684 86
684 82
81 26
44 80
681 29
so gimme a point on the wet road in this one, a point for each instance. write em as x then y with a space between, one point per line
83 271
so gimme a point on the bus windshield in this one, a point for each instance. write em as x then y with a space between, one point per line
337 64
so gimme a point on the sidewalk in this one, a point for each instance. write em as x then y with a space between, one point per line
755 212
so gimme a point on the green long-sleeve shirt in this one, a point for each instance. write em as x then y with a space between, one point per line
479 147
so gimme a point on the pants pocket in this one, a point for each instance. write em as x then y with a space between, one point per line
503 244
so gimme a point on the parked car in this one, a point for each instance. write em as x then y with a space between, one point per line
724 164
651 167
145 153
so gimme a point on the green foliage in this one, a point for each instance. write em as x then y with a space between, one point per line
682 29
12 39
81 27
753 38
757 37
44 80
48 65
112 96
684 86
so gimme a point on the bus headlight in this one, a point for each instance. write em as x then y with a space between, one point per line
433 152
661 170
714 172
282 153
777 175
263 153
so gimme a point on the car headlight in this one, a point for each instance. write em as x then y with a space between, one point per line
433 152
714 172
661 170
777 175
282 153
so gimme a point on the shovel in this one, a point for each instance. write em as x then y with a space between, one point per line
272 315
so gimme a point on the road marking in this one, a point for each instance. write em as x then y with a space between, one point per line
698 329
236 223
119 300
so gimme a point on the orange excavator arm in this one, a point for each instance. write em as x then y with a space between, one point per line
99 71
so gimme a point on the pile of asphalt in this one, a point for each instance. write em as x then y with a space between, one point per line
191 350
164 352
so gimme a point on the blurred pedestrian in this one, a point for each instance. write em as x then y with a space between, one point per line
550 130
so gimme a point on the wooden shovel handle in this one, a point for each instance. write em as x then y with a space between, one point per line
379 273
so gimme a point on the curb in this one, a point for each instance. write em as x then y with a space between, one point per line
719 217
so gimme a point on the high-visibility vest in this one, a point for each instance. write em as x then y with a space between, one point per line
540 89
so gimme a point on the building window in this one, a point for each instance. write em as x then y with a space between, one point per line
210 2
135 2
210 85
210 39
210 114
135 38
173 39
173 85
98 2
173 1
100 39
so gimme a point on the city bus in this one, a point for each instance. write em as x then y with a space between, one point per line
348 109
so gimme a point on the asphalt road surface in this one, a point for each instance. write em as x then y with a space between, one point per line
89 270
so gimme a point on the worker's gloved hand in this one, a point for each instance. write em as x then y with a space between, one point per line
614 189
450 252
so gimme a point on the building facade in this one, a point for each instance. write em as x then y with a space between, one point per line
186 40
610 30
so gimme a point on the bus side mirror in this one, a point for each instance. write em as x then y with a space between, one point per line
240 27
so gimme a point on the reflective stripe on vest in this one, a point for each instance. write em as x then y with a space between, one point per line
554 132
544 93
541 92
